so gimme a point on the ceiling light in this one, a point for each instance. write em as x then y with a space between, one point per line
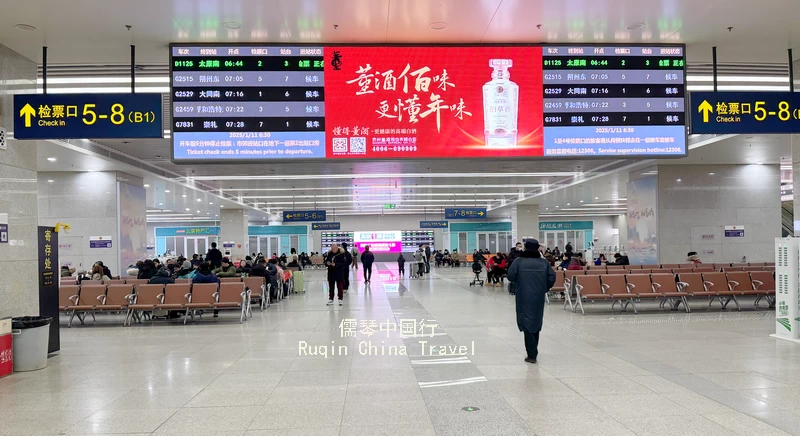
25 27
198 211
184 195
759 163
635 26
187 209
221 205
89 171
160 204
581 201
677 180
438 25
166 191
710 174
232 24
50 181
568 204
557 207
146 185
51 159
199 200
597 198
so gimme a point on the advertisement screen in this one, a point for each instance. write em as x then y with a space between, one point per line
361 102
379 242
433 102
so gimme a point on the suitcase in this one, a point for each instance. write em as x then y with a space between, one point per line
299 283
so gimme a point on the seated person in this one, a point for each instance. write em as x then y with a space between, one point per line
204 274
67 271
187 271
97 273
162 277
226 269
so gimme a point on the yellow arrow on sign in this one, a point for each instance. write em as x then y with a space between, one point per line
480 213
27 111
706 108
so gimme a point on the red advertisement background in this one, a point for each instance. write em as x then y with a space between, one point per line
467 68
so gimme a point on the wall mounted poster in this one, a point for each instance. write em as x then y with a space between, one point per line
643 221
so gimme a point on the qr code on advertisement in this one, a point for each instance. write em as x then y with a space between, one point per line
340 145
358 145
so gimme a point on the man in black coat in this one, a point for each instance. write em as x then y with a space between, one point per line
367 259
427 259
338 267
214 256
533 278
349 257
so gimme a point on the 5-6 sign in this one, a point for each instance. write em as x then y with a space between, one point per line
56 116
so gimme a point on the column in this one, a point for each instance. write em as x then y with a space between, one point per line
524 222
19 287
697 202
233 230
99 207
796 179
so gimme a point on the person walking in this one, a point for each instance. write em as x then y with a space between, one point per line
532 277
334 259
367 259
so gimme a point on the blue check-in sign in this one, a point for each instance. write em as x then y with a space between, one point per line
326 226
303 215
64 116
465 212
433 224
745 112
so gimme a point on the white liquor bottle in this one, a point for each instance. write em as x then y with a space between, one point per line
500 106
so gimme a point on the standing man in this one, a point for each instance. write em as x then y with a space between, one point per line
333 260
349 258
533 277
427 259
367 259
354 253
214 256
515 252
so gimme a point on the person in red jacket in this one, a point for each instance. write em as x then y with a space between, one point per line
496 266
575 264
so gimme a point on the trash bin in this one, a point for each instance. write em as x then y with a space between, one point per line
31 338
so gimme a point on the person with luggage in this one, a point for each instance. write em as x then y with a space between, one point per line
419 261
367 259
401 265
533 277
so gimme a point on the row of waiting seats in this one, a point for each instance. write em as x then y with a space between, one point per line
708 269
142 299
668 288
755 266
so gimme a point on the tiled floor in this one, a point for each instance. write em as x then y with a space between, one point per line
656 373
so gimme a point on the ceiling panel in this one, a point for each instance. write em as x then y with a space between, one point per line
91 31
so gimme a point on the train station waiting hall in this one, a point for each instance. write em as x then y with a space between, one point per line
339 218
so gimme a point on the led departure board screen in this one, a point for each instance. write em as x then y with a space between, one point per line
257 102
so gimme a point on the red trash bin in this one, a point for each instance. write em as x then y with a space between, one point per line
6 354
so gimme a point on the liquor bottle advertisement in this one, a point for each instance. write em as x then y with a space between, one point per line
433 102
